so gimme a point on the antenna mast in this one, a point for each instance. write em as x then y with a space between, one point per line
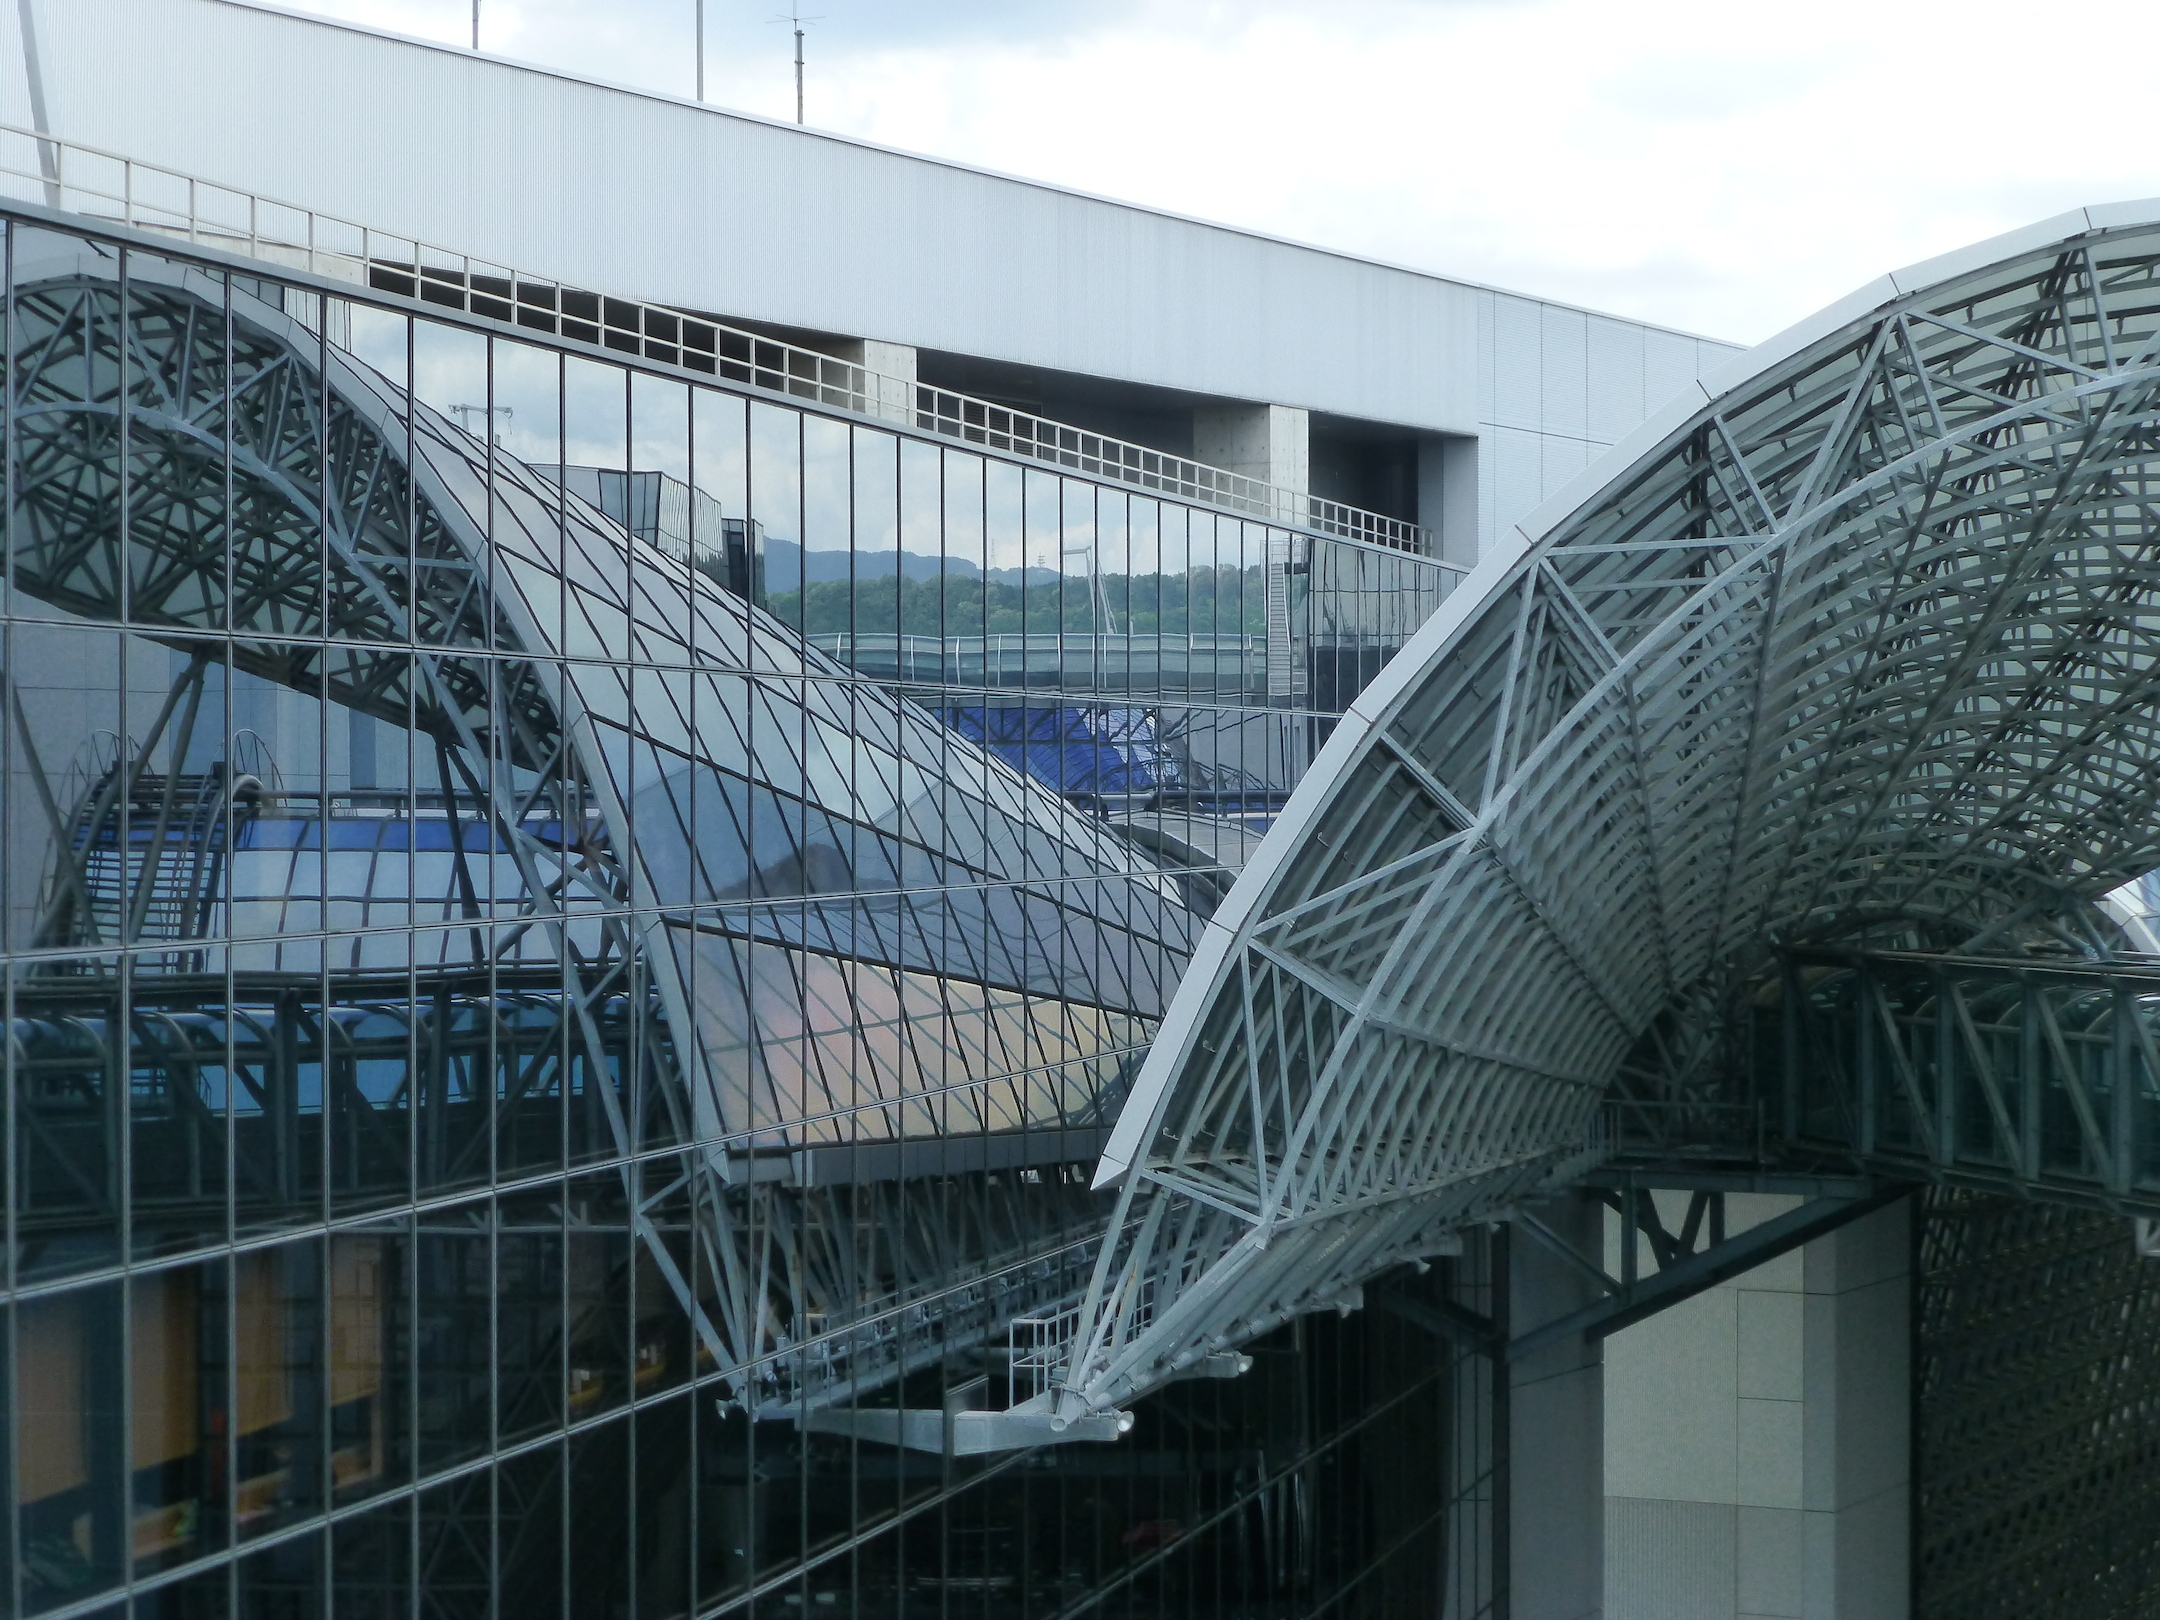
476 24
795 14
797 19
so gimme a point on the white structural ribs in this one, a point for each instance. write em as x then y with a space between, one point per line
1861 643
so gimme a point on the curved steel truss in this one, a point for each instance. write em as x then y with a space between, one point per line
1860 649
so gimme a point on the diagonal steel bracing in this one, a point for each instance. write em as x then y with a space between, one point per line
1861 652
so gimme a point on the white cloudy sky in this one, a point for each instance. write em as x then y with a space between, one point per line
1723 167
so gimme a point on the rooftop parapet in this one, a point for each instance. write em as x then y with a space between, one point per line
142 196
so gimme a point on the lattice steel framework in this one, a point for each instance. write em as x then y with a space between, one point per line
2037 1413
1859 646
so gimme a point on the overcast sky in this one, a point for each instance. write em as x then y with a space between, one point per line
1721 167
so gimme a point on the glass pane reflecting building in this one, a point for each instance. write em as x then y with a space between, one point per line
588 861
573 931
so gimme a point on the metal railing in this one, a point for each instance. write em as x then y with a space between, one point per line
142 196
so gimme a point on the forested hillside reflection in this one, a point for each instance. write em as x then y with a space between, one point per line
1200 601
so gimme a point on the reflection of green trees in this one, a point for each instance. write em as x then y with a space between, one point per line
1203 601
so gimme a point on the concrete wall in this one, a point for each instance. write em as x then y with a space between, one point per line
1757 1437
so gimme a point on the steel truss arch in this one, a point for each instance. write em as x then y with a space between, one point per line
1861 644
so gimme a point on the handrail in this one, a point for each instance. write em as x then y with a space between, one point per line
105 185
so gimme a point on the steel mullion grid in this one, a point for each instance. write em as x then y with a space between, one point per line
10 1359
325 744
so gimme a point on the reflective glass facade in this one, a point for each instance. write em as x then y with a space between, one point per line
566 930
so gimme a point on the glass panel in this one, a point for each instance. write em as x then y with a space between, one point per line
529 1303
280 1463
450 376
72 1516
371 1563
179 1106
597 1291
177 1326
533 1535
455 1521
67 334
176 390
878 563
528 427
735 555
828 532
454 1361
776 505
283 1582
282 578
381 341
595 425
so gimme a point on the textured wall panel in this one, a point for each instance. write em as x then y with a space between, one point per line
1518 475
1670 363
1615 388
1518 364
1564 365
1669 1560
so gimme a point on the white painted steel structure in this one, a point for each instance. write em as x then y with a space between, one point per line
1860 644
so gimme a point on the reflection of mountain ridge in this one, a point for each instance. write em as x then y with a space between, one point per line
782 557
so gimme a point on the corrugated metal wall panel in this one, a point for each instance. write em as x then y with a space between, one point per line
1488 484
1564 365
1670 363
1488 345
1616 379
1518 365
1518 475
1560 460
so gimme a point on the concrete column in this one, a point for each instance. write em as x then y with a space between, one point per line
1448 496
895 363
1856 1531
1556 1426
1756 1436
889 359
1272 443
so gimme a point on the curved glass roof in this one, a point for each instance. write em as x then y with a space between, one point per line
793 847
1858 644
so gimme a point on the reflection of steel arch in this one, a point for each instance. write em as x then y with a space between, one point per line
371 561
1863 648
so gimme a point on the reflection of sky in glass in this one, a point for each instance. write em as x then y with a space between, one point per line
660 426
595 406
827 515
528 394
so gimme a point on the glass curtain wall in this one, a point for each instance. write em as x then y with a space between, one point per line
560 922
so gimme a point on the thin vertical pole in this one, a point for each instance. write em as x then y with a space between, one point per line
1501 1261
476 24
798 71
701 50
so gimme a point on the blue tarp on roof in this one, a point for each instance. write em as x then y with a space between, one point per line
1089 752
